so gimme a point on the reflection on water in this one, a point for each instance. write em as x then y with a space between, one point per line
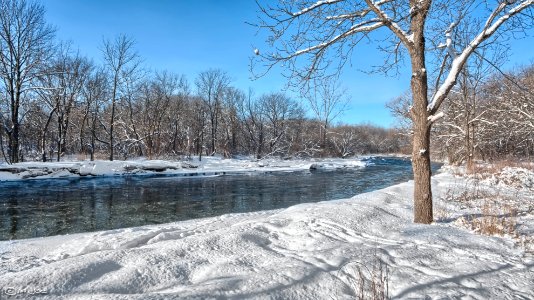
37 208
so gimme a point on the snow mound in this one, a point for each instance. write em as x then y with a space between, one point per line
337 165
519 178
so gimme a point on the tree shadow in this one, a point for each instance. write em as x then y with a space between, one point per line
455 280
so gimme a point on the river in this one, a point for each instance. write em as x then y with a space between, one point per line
36 208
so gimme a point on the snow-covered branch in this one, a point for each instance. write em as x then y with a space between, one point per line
314 6
492 24
406 39
359 14
434 118
362 27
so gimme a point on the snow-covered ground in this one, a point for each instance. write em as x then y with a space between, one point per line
207 166
308 251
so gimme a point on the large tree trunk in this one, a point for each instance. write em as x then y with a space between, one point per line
422 173
421 154
422 124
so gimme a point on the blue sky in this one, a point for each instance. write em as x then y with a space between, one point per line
191 36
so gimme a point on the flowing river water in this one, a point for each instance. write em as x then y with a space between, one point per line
36 208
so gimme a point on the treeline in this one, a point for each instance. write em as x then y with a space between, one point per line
488 116
490 119
56 102
162 115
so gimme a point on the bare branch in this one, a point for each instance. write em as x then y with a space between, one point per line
313 6
490 27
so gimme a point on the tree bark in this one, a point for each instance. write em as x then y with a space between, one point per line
422 125
422 174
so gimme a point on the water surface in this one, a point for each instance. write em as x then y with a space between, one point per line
35 208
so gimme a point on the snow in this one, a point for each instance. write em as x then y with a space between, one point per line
434 118
307 251
519 178
411 38
206 167
313 6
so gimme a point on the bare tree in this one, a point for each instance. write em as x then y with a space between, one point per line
198 115
121 60
233 97
400 107
508 122
155 103
458 130
95 93
25 45
72 72
253 121
327 100
520 109
176 120
135 90
310 36
278 110
211 86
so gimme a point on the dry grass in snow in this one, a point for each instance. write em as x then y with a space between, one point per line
495 200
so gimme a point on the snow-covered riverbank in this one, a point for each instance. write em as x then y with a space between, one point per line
308 251
208 166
